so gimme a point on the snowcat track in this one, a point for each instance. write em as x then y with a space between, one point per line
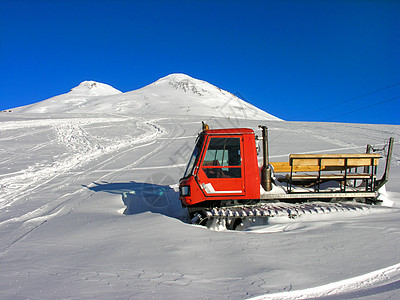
265 211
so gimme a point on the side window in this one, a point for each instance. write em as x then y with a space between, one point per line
222 159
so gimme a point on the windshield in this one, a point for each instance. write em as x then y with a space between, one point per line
193 158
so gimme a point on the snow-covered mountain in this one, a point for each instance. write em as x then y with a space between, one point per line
89 207
93 88
75 100
175 94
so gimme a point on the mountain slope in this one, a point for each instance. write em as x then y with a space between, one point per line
67 179
175 94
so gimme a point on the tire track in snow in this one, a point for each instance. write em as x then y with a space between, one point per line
26 153
84 151
151 136
32 220
341 288
45 179
96 168
30 132
29 124
165 141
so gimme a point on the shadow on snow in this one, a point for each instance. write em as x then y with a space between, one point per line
140 197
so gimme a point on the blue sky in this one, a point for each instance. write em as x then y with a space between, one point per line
299 60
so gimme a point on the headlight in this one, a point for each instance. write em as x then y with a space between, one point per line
185 190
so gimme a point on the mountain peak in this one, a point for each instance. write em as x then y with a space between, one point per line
189 84
93 88
176 79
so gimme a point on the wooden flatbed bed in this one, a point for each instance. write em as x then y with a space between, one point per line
314 169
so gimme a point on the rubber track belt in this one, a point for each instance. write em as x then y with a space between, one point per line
282 209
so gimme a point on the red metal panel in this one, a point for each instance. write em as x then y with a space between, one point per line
221 185
203 188
229 131
251 170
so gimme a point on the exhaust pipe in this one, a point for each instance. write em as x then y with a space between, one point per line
385 176
265 169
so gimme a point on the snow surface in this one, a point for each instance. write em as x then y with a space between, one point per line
89 208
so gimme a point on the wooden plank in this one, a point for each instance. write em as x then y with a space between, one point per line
281 167
362 162
306 168
331 176
334 160
284 167
339 155
360 176
329 162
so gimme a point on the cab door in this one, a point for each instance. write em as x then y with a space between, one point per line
221 169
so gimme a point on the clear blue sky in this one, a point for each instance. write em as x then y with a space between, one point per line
298 60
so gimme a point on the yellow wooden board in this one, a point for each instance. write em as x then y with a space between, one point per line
332 160
329 162
284 167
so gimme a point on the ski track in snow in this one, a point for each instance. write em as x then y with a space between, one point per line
165 141
84 149
28 124
340 288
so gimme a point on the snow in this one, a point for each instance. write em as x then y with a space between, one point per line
79 98
341 287
89 206
175 94
93 88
